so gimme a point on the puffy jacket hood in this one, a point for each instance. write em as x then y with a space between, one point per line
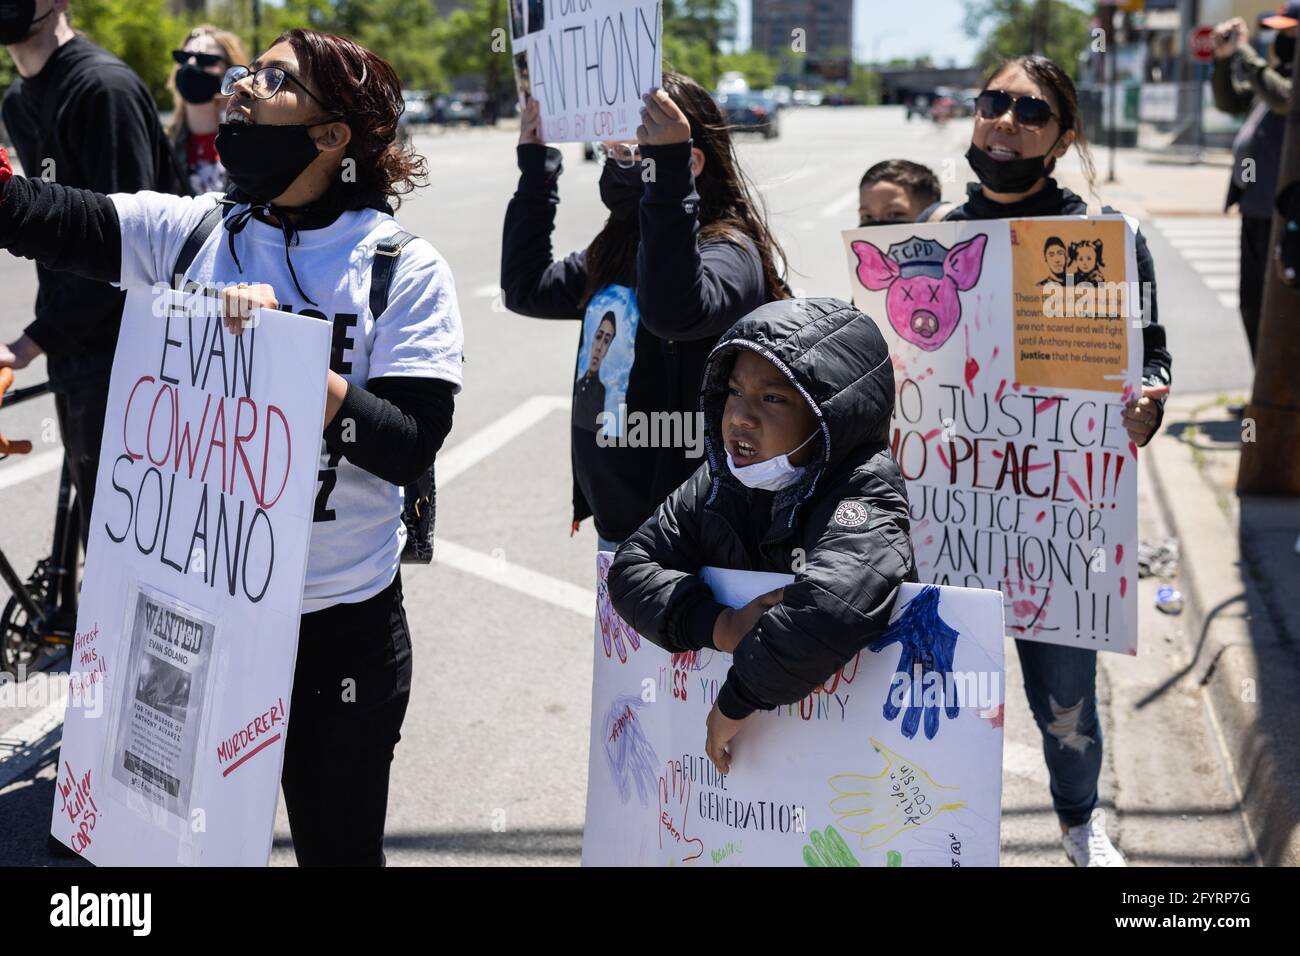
833 355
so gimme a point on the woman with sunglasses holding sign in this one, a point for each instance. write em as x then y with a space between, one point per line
1026 118
309 142
201 63
684 253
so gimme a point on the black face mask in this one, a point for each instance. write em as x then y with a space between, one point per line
1010 175
1284 49
620 189
194 85
17 17
263 160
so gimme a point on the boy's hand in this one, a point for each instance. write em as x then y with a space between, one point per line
1141 414
721 731
734 623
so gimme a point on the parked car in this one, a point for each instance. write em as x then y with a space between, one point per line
419 108
807 98
455 110
750 111
733 81
780 95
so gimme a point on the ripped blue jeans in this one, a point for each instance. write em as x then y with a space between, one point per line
1061 684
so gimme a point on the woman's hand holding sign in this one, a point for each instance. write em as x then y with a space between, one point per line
238 303
530 124
662 121
1141 414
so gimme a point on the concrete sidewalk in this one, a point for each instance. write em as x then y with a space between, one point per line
1240 576
1149 183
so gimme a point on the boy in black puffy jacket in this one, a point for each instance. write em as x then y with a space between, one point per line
799 479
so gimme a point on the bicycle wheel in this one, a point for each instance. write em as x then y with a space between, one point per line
20 646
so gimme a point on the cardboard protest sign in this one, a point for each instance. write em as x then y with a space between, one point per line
895 761
587 63
1016 345
187 631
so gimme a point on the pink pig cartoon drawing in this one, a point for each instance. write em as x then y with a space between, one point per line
923 279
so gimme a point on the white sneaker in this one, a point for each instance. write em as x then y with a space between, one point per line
1088 845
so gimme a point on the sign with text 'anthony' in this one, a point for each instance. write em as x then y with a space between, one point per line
1016 344
587 63
187 632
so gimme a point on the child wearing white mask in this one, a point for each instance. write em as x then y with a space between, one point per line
799 478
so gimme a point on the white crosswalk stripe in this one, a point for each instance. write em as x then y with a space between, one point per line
1212 247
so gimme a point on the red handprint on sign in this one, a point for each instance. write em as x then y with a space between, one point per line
674 809
615 634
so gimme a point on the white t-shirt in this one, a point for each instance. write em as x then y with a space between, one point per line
357 535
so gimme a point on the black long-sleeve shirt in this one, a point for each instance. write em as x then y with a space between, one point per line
686 292
85 120
400 421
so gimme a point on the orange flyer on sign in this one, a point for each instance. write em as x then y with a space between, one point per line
1070 303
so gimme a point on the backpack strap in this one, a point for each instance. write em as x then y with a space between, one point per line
938 211
382 269
194 241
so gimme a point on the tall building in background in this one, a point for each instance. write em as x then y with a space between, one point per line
827 36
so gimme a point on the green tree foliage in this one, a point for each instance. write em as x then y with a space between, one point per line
1056 28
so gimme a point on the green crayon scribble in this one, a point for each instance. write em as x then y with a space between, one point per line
893 858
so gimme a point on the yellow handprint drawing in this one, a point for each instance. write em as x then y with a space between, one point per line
901 797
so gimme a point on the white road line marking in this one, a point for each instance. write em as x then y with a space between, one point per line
1231 245
1220 283
487 291
26 744
543 587
17 470
1209 266
490 438
1230 299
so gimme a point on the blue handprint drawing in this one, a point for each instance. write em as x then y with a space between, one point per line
928 642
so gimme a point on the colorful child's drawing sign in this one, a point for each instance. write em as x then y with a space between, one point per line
894 761
1016 344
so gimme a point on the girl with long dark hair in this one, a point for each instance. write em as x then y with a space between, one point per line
684 253
310 144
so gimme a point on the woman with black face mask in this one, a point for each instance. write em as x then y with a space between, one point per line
195 82
302 232
684 253
1026 118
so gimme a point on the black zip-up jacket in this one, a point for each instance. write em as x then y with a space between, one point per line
842 529
85 120
1054 200
688 293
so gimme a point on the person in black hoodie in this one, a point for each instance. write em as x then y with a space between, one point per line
1027 117
799 478
685 252
80 117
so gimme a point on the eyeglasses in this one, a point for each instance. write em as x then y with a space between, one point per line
624 155
266 83
1029 111
204 60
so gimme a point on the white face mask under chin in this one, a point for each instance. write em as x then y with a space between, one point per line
772 474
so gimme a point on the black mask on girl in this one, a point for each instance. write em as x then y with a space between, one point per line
620 189
1010 175
264 160
1284 49
17 17
195 85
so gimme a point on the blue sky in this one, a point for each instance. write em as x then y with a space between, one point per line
889 28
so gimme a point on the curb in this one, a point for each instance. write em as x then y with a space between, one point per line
1247 670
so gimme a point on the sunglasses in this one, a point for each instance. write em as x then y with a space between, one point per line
624 155
204 60
266 83
1029 111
